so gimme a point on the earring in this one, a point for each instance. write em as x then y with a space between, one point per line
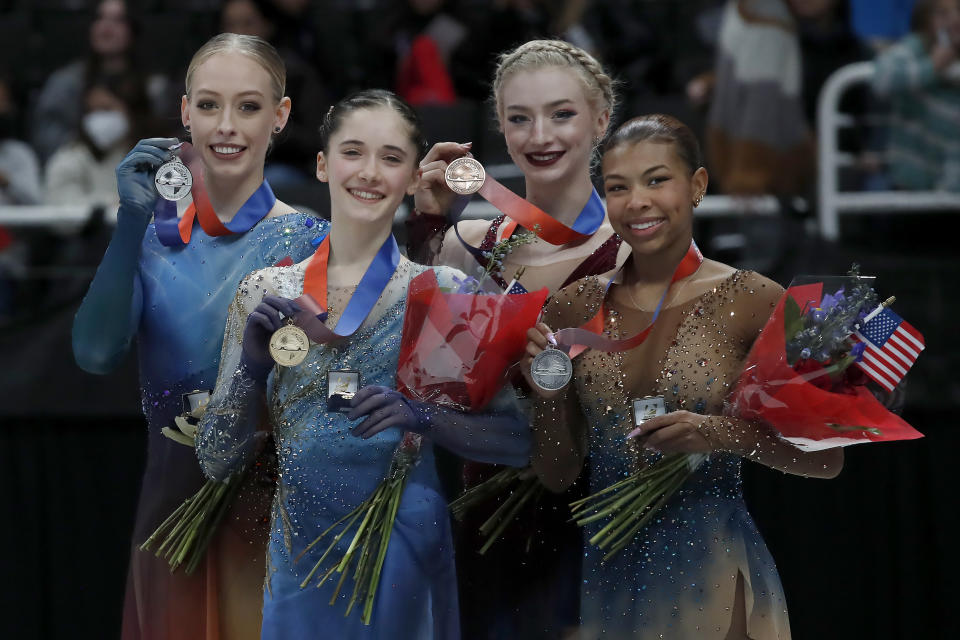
276 129
187 127
696 203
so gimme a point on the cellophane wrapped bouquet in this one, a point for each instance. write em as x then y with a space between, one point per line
802 377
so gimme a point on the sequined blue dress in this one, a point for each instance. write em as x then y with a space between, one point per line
677 579
185 293
325 472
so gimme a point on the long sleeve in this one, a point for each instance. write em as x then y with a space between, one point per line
110 314
227 436
425 236
904 67
498 435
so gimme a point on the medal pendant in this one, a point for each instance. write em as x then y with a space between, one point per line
289 345
464 176
342 385
647 407
173 180
551 369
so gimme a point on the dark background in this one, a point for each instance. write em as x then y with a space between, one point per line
870 554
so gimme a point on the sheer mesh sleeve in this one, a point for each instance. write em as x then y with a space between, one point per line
227 436
425 236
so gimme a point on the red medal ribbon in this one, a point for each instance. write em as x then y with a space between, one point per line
588 335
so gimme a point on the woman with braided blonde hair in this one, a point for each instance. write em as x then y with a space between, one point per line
553 104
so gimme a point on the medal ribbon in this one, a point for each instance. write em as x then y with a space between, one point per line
174 232
529 216
313 302
588 335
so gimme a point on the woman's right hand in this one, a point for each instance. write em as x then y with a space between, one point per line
434 197
261 323
135 176
539 337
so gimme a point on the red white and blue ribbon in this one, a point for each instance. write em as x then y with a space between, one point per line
313 302
175 231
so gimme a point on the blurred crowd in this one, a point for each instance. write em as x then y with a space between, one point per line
81 81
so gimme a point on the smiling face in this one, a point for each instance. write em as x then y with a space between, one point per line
370 164
549 124
650 193
231 112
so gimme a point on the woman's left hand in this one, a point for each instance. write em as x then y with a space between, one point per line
384 408
676 432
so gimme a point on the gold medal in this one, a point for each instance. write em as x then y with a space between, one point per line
289 345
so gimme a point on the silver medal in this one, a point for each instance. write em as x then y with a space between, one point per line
551 369
174 179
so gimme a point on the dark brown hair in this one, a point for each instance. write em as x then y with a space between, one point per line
369 99
659 128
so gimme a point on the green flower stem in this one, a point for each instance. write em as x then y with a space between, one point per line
493 486
530 488
364 557
196 504
227 496
631 503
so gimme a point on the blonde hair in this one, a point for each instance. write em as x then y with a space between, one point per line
261 51
538 54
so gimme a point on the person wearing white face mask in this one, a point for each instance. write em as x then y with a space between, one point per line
83 171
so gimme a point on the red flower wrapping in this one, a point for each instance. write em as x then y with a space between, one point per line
457 348
793 401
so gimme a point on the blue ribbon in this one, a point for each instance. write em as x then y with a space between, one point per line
258 205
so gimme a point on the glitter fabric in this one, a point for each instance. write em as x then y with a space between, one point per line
186 293
325 472
678 577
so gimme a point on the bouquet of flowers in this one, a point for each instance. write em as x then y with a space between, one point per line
806 376
374 519
456 349
183 538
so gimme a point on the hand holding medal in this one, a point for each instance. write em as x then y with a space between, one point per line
173 179
136 182
269 336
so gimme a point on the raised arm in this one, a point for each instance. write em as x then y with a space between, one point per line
427 223
904 67
110 313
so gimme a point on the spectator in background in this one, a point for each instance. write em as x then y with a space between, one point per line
921 77
57 113
82 172
827 42
292 158
414 44
758 138
19 168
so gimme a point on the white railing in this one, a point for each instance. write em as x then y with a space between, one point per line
831 202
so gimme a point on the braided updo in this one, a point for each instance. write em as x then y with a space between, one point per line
536 54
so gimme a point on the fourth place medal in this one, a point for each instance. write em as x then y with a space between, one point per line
551 369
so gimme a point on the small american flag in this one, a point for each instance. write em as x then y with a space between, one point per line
892 346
